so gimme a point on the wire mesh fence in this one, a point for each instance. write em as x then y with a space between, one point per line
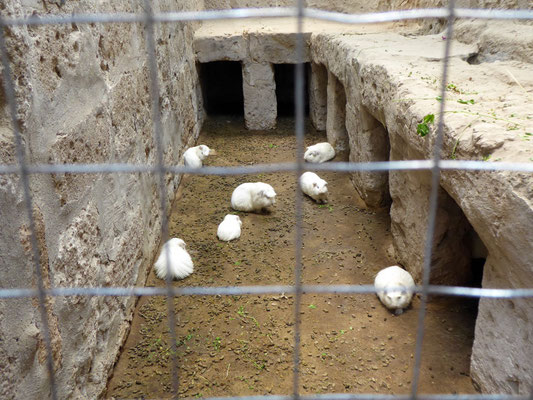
23 168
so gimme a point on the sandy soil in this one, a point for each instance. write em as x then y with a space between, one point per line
243 345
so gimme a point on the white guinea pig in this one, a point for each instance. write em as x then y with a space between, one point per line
253 196
314 186
319 153
178 264
230 228
394 288
194 156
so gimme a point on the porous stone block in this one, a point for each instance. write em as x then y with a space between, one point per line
336 114
277 48
318 96
259 90
220 48
83 97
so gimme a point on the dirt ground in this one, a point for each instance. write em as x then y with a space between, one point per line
243 345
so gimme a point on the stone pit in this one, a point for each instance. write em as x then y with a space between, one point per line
83 97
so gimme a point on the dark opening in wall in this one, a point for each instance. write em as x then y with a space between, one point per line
285 79
478 256
221 83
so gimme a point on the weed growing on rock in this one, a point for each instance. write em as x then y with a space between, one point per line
422 129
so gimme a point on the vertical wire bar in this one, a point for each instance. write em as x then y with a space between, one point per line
299 111
9 90
154 96
433 202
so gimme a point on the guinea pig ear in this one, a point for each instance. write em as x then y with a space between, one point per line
314 184
262 193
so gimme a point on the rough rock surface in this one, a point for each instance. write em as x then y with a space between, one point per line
318 86
82 93
398 78
259 91
336 114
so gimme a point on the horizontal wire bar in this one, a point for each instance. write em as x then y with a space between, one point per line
399 15
274 12
279 167
460 291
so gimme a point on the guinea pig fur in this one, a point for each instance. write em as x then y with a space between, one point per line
174 260
229 228
194 156
394 288
319 153
314 186
253 197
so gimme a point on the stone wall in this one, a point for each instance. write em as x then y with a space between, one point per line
83 97
396 81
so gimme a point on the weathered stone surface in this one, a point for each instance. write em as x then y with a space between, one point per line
231 48
259 89
397 82
83 97
336 114
318 95
276 48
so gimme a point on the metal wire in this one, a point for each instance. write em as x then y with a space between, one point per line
298 209
401 165
459 291
436 165
277 12
433 203
158 138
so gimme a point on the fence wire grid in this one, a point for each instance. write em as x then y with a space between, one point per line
23 168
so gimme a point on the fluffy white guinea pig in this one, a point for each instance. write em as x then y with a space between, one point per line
194 156
230 228
174 260
319 153
314 186
253 196
394 288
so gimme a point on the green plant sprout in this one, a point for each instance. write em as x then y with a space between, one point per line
423 128
329 206
216 343
244 315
